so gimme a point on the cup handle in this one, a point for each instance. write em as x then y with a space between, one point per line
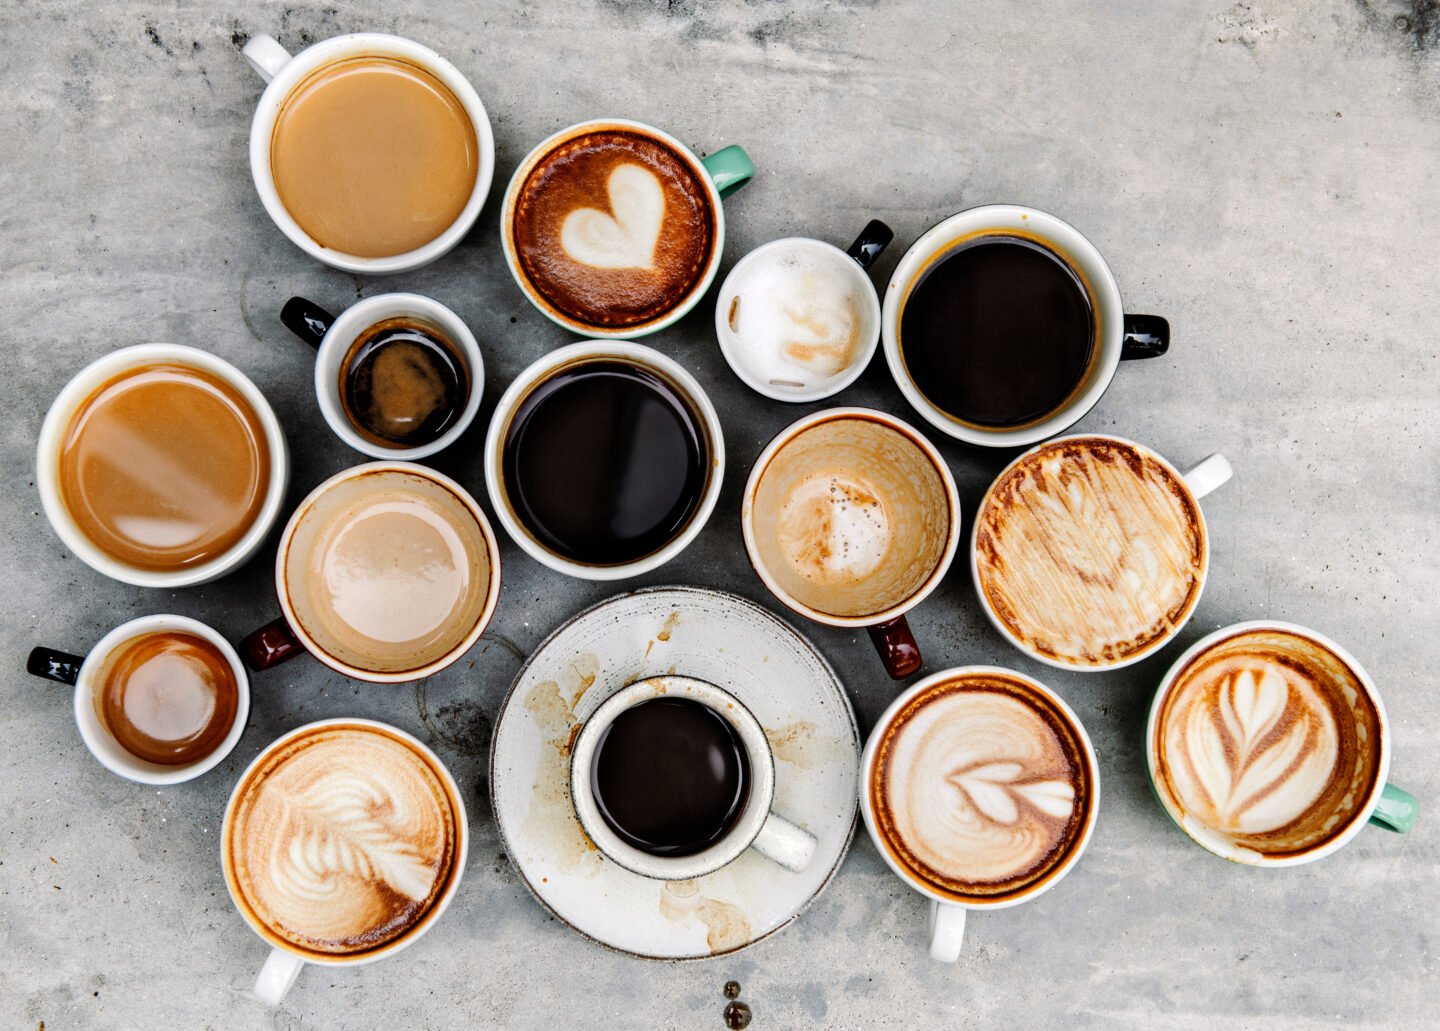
1396 810
271 645
730 168
1146 336
947 931
897 647
871 241
61 667
307 320
265 55
1211 473
783 842
276 976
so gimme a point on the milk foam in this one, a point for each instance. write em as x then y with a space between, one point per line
626 237
834 528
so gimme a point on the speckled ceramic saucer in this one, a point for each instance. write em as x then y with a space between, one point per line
701 633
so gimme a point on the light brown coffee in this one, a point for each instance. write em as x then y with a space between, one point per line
341 841
167 697
1090 551
373 156
164 467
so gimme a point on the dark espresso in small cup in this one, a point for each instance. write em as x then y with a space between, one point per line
403 383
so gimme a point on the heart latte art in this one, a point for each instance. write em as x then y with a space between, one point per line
980 788
626 238
341 841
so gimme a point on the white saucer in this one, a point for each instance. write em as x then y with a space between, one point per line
735 644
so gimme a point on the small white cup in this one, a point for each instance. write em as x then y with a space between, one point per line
332 338
758 827
577 354
78 390
73 669
284 72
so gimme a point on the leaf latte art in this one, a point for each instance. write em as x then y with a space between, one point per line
342 841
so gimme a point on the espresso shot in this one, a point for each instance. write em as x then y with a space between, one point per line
403 383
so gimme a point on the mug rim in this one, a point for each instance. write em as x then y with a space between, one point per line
585 352
361 316
1092 266
405 676
92 726
1251 857
1155 645
78 389
1087 748
742 832
585 329
862 357
794 430
311 59
437 908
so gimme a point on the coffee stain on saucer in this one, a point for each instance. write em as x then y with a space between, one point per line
801 746
551 827
726 925
663 634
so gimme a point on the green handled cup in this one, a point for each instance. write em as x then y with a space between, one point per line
1268 744
613 228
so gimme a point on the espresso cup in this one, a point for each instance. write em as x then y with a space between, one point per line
980 790
358 857
1090 552
333 339
286 74
387 572
175 465
613 228
1267 744
604 459
798 319
86 673
752 825
1112 335
850 517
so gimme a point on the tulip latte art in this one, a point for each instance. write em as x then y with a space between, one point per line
341 841
981 789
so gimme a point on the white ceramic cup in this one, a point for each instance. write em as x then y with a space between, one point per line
80 388
946 927
757 826
1207 475
581 353
284 71
82 671
332 337
1119 336
285 961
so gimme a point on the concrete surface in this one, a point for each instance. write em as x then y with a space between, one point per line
1261 173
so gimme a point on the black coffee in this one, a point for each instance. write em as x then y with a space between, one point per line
998 332
403 384
605 462
670 776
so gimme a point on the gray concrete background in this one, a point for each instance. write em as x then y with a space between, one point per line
1263 173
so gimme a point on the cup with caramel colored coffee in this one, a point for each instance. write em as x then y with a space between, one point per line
613 228
158 700
370 152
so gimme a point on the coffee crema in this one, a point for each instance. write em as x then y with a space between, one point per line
373 156
613 228
980 788
341 841
1090 551
403 383
164 467
1269 741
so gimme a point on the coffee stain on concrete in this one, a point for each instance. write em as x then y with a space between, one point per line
801 745
726 926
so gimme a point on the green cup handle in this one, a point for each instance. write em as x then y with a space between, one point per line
1395 811
730 168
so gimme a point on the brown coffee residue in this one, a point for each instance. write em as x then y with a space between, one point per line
734 316
726 926
551 824
737 1016
799 745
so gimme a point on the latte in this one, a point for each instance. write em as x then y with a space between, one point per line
1269 741
1090 551
981 788
341 840
612 228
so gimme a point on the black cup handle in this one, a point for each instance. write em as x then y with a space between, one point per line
61 667
1146 336
307 320
870 243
